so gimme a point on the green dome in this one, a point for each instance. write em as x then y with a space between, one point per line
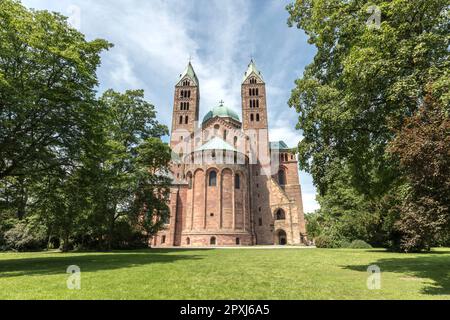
221 112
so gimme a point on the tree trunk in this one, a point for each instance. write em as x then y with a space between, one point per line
65 246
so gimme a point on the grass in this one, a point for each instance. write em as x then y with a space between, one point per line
226 274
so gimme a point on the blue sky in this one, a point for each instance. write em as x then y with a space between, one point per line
154 39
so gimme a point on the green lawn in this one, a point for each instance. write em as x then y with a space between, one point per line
226 274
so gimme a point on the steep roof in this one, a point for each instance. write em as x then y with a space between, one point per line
189 72
216 144
252 69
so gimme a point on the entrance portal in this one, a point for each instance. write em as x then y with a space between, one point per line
281 238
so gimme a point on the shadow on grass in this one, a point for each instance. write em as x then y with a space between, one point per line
434 266
88 262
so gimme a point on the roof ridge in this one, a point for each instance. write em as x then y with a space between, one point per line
216 143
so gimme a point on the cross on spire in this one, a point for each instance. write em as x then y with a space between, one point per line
221 103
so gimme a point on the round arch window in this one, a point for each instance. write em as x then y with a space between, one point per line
280 215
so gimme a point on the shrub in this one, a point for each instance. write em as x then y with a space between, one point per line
345 244
324 242
359 244
24 238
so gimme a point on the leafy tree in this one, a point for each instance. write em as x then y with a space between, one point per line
131 153
72 166
423 149
364 82
47 80
150 206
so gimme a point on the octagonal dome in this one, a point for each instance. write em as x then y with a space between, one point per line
221 111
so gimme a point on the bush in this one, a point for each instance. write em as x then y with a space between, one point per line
324 242
24 238
359 244
345 244
5 225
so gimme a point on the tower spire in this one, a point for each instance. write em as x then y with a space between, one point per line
252 69
189 72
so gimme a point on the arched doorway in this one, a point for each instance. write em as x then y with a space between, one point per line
281 238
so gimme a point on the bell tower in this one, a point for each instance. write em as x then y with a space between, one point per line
186 106
256 128
185 118
254 114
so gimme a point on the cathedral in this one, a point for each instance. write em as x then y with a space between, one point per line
231 186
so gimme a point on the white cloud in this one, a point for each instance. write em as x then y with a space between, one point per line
154 39
309 202
123 72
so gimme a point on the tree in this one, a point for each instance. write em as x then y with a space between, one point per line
423 149
150 209
71 165
364 82
47 80
127 159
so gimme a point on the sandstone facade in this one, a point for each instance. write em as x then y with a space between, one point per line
231 185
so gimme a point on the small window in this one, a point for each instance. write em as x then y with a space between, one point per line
238 241
213 179
237 181
163 240
211 214
282 177
190 181
252 117
181 119
225 135
186 120
257 117
188 241
213 241
257 103
260 222
280 215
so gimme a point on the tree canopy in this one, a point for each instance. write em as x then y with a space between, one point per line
74 168
364 83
